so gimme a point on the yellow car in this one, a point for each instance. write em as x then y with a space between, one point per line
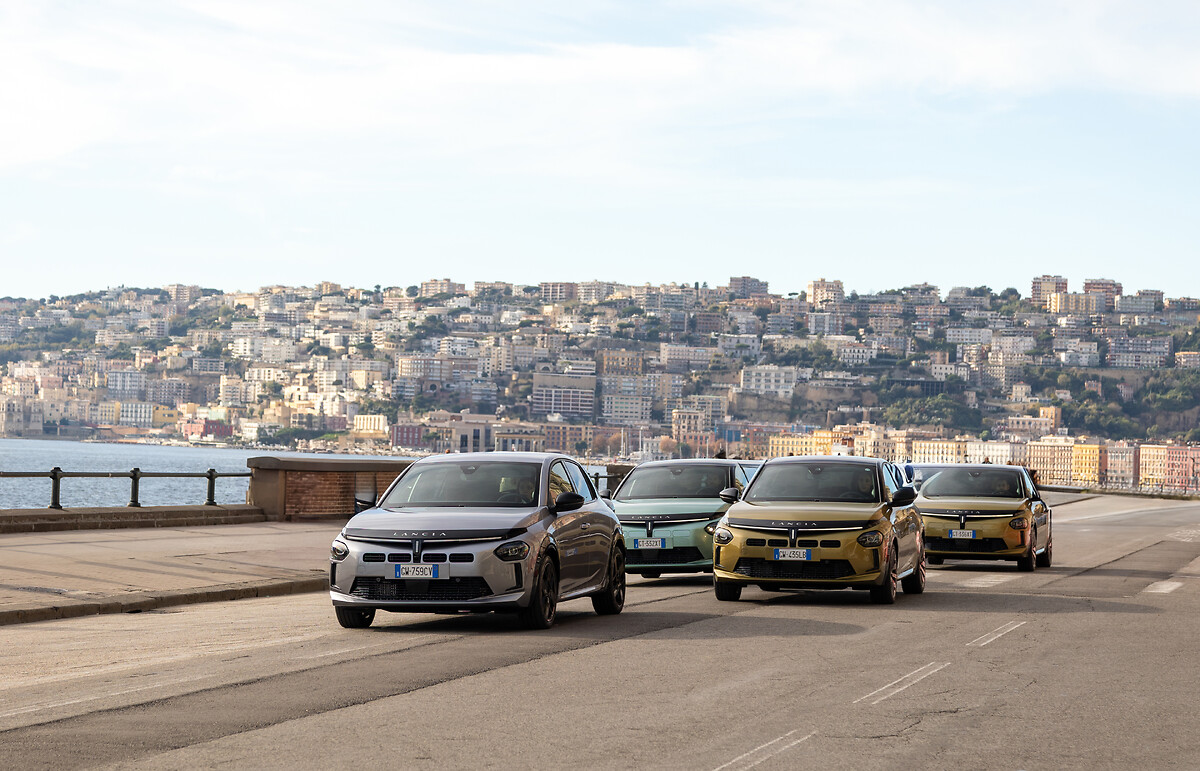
984 512
821 523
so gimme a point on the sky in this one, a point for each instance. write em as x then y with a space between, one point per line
881 142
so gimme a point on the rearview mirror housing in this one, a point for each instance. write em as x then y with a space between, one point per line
568 501
904 496
729 495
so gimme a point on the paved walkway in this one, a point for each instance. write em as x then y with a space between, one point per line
84 572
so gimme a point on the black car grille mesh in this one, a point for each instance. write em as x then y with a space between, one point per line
968 545
421 590
671 556
822 570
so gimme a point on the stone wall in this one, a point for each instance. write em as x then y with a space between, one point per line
318 487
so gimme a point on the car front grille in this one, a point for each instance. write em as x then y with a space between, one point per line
672 556
817 570
421 590
968 545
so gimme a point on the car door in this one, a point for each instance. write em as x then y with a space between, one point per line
905 520
1042 521
568 531
599 526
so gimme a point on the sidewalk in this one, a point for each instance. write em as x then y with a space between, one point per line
84 572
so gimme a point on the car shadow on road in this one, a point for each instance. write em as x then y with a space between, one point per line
951 600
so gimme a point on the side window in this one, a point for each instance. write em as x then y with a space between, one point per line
737 477
1030 489
560 481
582 484
889 480
749 471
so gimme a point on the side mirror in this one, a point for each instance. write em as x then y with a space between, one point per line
729 495
361 505
904 497
606 494
567 502
1039 508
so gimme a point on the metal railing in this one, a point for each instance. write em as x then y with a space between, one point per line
56 475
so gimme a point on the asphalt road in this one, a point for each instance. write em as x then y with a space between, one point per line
1090 663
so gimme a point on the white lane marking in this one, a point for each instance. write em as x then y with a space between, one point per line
896 686
996 634
1163 587
782 749
1067 519
1191 535
761 747
349 650
986 582
55 704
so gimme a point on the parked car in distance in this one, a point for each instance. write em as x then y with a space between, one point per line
669 510
984 512
820 522
514 532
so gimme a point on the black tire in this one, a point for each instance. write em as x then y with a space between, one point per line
355 618
651 573
727 591
611 599
885 593
543 604
1046 558
935 560
914 582
1028 562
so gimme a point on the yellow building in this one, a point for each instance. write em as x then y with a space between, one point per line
1089 464
939 451
823 441
1152 466
164 416
1051 458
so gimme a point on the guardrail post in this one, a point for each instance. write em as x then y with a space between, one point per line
55 477
134 476
212 487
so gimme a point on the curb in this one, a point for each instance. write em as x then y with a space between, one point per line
141 601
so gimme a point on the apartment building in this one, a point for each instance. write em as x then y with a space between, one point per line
821 292
1042 287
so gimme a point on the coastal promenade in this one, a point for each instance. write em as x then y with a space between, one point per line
70 573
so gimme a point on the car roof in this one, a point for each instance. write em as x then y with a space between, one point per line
695 462
861 460
969 466
494 457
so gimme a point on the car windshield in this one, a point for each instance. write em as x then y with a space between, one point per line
675 481
971 483
474 483
851 482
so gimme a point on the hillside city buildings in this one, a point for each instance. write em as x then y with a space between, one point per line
608 369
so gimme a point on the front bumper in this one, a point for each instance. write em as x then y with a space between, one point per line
471 577
838 561
994 539
687 548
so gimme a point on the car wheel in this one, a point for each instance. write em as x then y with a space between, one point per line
543 605
651 573
355 618
611 598
914 582
727 591
1028 562
1046 558
936 560
885 593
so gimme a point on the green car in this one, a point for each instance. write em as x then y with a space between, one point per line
669 509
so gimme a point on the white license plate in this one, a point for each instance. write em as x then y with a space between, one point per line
649 543
793 554
422 571
962 533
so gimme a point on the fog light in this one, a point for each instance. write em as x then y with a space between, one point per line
1020 523
511 552
722 536
871 538
339 551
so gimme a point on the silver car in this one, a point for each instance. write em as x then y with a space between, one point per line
515 532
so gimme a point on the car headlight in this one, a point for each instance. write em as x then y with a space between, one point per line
722 536
339 551
1020 523
870 539
710 528
511 552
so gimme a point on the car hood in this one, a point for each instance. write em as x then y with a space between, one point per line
795 515
954 506
673 510
441 523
